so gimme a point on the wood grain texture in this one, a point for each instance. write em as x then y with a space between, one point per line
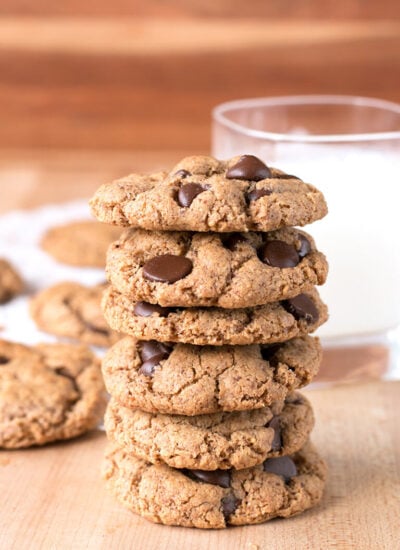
232 9
55 499
146 77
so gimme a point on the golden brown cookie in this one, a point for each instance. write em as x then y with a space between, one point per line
47 393
192 380
82 243
212 441
279 487
274 322
204 194
210 269
11 283
73 310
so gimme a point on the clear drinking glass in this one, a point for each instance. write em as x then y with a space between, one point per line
349 147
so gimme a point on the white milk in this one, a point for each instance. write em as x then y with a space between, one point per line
361 234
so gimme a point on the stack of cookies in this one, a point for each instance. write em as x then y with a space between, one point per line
215 289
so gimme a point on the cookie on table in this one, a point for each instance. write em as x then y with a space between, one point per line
279 487
81 243
192 380
202 193
212 441
48 392
73 311
209 269
274 322
11 283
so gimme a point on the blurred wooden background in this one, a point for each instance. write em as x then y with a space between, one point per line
90 90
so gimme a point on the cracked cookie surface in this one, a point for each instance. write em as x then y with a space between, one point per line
48 392
82 243
204 194
11 283
72 310
212 441
192 380
165 495
204 269
274 322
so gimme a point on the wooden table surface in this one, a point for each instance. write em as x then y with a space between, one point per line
53 497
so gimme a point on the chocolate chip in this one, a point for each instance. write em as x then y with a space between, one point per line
144 309
215 477
281 466
182 173
275 424
249 168
279 254
148 366
257 194
302 307
151 348
305 246
4 360
187 193
230 240
267 352
229 505
167 268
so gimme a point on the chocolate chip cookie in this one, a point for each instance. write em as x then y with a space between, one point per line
11 283
48 392
209 269
279 487
73 310
192 380
204 194
82 243
273 322
212 441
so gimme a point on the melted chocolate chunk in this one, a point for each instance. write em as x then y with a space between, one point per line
182 173
279 254
305 246
167 268
230 240
4 360
148 366
152 348
215 477
229 505
249 168
302 307
144 309
282 466
257 194
268 352
276 426
187 193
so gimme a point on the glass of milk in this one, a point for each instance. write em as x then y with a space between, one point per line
348 147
